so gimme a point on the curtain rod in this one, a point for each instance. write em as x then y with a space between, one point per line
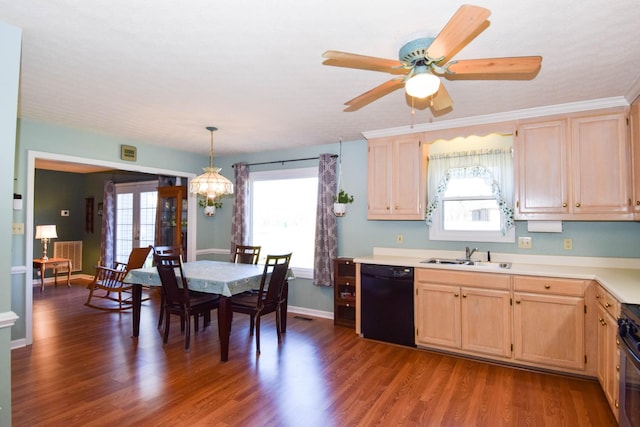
285 161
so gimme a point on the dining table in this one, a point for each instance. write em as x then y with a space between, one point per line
217 277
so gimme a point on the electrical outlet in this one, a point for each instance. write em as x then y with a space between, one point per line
17 228
525 242
400 239
568 244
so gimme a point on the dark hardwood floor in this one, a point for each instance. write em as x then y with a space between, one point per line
84 369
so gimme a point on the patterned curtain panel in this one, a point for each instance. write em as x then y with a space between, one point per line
108 223
326 229
239 234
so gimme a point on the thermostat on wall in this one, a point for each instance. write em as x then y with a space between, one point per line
64 212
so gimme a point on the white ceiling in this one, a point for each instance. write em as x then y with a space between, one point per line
160 71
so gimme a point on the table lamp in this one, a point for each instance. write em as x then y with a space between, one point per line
44 233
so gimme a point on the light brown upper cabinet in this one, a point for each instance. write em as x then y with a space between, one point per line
396 178
574 168
635 147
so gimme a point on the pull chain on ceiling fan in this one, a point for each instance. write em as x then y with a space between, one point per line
422 60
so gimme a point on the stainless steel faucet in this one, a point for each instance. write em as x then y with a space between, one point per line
468 252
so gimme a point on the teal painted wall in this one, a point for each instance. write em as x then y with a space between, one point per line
10 41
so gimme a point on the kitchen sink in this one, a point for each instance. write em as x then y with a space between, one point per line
481 264
446 261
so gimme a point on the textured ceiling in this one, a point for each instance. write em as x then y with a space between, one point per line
160 71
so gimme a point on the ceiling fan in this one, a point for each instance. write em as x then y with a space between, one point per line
421 61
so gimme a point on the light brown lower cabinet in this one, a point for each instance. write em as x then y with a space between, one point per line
454 310
608 347
525 320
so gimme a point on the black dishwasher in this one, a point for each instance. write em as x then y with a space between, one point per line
387 303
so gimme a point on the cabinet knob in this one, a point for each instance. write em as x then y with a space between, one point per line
456 295
517 301
464 295
547 286
564 205
577 205
637 202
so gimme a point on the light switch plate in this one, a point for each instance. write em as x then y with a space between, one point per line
525 242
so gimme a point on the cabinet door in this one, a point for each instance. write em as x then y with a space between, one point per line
608 357
486 321
549 330
379 178
600 164
407 178
541 169
437 312
171 221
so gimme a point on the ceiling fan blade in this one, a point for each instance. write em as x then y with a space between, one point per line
363 62
526 65
441 99
373 94
464 24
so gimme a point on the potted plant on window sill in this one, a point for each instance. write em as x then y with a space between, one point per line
340 202
210 205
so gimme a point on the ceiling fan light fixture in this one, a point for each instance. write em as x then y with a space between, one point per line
211 184
422 85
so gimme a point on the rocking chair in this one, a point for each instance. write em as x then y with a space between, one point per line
111 280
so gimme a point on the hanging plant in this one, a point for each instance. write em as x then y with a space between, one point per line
340 202
343 198
210 205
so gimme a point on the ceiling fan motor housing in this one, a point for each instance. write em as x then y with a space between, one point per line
415 51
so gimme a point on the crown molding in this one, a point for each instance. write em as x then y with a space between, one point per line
528 113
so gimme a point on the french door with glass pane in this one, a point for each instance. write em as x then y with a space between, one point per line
135 217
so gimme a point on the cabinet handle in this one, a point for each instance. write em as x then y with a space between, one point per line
618 368
597 296
637 202
517 301
547 286
464 295
617 404
456 295
387 207
577 205
564 205
607 305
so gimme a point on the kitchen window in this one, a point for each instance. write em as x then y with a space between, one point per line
283 215
471 195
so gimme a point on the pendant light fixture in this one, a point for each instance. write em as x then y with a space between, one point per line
211 184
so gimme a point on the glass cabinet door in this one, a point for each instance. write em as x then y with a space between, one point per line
172 217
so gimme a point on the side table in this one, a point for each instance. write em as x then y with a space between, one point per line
52 263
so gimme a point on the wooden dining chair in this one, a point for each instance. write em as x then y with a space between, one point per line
246 254
179 300
111 281
269 297
165 250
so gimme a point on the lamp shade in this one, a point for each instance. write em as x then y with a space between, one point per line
422 84
46 232
211 184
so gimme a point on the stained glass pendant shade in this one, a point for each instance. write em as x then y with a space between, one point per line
211 184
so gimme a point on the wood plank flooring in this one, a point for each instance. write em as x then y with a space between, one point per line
84 369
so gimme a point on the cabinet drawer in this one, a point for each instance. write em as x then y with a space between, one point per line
350 281
608 302
549 285
463 278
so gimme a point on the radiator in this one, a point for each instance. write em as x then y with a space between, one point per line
70 250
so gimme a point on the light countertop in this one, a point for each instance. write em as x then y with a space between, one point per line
620 276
